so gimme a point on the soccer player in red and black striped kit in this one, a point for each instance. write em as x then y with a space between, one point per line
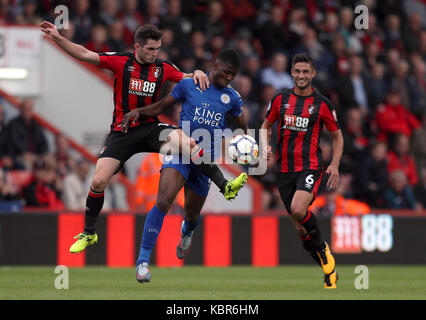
139 77
301 113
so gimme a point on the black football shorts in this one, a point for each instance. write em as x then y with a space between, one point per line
289 182
147 137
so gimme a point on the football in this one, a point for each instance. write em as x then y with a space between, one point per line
243 149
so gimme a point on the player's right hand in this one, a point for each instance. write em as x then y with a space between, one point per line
267 152
50 30
133 114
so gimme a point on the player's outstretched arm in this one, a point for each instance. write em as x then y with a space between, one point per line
199 77
75 50
333 168
241 122
265 137
148 111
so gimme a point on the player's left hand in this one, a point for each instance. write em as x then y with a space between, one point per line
133 114
201 78
333 179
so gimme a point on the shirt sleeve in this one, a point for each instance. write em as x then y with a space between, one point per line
237 105
329 116
179 91
273 111
171 72
109 60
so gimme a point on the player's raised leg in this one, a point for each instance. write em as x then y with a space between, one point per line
171 182
105 169
193 204
182 144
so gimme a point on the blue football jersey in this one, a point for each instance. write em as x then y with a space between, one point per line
206 109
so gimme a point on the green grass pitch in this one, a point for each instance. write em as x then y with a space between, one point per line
202 283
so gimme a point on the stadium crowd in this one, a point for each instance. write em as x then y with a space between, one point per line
375 78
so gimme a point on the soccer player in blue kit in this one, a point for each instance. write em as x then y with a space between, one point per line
201 109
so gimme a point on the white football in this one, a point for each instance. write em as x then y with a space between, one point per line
243 149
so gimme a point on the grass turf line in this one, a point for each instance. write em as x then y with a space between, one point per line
202 283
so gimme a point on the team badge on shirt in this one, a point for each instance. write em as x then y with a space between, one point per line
156 71
225 98
311 109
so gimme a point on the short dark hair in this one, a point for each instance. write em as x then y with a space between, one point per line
146 32
229 56
303 57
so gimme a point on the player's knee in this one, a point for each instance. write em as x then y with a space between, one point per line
164 202
99 184
297 210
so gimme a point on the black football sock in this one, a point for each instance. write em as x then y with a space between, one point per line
309 245
211 170
309 222
94 204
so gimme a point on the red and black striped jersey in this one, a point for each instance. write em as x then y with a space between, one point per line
135 84
300 123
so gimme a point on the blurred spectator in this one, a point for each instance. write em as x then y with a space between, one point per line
418 145
169 45
8 191
399 195
28 14
131 19
242 43
64 161
377 83
98 42
297 25
3 137
373 55
411 32
147 180
400 158
346 19
108 11
39 191
371 177
174 20
272 33
393 118
75 186
197 48
417 85
211 24
373 34
356 139
25 136
152 12
7 15
420 189
341 60
324 60
244 87
354 89
393 35
276 74
252 69
115 40
238 14
399 79
329 29
82 21
332 203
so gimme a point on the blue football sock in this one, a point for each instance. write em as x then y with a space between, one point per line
189 226
151 230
